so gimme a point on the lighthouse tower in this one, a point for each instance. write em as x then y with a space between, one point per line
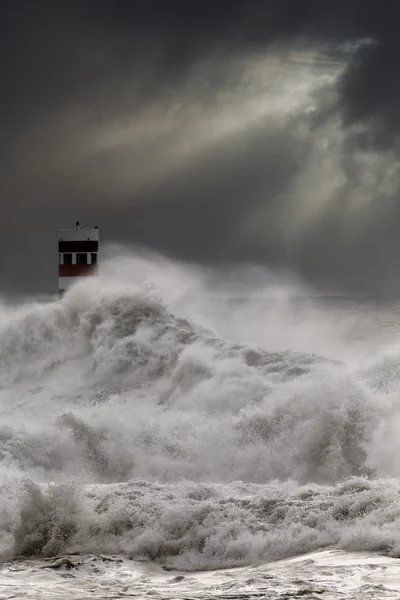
78 255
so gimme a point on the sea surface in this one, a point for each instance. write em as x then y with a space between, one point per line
165 436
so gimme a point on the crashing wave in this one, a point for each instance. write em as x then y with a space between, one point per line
152 416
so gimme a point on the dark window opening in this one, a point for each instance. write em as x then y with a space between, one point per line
94 258
67 259
81 259
60 259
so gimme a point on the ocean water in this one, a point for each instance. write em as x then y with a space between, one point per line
166 433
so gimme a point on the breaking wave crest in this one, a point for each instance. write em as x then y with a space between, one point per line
206 526
131 424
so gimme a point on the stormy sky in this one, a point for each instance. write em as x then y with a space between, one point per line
263 131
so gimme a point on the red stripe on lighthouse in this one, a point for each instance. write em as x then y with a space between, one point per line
78 246
77 270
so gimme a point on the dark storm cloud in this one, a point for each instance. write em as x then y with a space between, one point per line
161 120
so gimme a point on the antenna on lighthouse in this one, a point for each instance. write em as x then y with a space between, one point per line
78 254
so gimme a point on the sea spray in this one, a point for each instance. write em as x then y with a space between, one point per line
131 425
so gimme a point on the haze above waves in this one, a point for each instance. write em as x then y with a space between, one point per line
184 418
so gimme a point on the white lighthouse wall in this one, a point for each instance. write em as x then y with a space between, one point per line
78 235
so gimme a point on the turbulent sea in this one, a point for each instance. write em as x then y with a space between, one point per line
162 436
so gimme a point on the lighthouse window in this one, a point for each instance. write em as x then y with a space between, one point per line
67 259
81 259
94 258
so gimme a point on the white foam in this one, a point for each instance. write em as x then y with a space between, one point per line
329 574
130 408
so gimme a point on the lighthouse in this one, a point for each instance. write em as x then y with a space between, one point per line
78 255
